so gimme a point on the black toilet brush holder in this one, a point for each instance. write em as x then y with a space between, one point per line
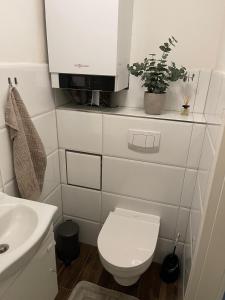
170 269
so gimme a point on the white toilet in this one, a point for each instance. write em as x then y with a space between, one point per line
126 244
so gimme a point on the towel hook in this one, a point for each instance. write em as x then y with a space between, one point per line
15 80
10 81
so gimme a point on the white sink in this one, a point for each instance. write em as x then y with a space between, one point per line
23 225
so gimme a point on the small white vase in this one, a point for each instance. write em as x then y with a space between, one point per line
154 103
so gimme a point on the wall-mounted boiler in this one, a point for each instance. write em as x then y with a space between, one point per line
89 43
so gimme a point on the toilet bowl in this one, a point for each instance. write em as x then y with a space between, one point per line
126 244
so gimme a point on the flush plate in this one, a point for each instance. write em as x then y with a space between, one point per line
144 141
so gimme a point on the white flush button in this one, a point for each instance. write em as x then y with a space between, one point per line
157 139
150 141
139 140
144 141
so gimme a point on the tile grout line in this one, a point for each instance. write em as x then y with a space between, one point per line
185 172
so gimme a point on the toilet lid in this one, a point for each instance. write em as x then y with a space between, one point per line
126 242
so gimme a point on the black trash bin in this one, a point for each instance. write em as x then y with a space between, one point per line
67 241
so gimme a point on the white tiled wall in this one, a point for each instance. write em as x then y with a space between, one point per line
188 187
46 127
89 230
174 136
34 88
1 183
155 182
198 201
214 111
167 213
62 164
6 161
167 186
161 183
55 198
208 154
177 92
52 175
165 246
85 203
198 132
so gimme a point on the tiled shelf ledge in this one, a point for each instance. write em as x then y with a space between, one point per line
139 112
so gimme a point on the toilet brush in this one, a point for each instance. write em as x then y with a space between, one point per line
170 269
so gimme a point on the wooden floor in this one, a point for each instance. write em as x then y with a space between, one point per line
88 267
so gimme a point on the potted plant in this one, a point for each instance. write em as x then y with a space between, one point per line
157 74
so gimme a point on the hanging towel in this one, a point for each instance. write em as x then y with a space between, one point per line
29 156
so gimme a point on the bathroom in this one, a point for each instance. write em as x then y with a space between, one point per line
133 184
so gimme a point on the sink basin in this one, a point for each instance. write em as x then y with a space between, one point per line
23 225
17 224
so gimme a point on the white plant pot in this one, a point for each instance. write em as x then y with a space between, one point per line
154 103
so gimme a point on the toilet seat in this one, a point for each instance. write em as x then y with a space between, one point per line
128 239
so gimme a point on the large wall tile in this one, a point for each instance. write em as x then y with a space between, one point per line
5 72
214 133
174 140
84 170
6 160
89 230
182 223
79 131
11 188
55 198
62 165
214 93
195 149
165 247
59 221
52 175
196 219
34 87
196 202
178 91
221 104
148 181
168 214
46 127
188 187
206 162
202 90
1 182
188 232
132 97
187 264
81 202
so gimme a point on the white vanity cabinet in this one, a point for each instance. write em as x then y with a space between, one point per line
38 279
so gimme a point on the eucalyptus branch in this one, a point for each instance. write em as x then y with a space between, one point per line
157 74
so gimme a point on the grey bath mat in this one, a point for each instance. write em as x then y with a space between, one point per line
88 291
